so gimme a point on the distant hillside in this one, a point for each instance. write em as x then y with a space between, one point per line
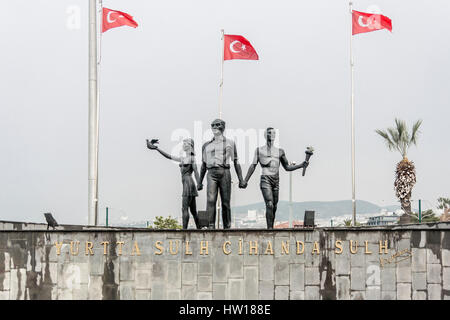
323 209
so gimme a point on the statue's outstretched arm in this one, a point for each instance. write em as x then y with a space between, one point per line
153 146
250 171
290 167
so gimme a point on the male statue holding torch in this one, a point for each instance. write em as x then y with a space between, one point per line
270 158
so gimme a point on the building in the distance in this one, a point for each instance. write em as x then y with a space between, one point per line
383 219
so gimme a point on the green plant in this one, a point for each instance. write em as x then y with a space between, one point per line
165 223
427 216
399 139
443 203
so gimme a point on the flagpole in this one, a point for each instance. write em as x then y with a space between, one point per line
221 75
219 202
93 117
353 118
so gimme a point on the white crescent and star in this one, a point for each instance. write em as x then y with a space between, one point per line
362 24
232 44
108 17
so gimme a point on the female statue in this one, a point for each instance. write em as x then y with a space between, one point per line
187 166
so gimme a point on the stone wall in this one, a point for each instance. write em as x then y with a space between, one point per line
332 263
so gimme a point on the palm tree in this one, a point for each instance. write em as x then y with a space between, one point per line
399 139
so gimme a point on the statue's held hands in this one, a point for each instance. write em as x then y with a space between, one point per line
243 184
152 144
199 186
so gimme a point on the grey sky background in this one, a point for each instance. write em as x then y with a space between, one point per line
164 75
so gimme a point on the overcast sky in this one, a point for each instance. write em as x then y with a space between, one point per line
161 78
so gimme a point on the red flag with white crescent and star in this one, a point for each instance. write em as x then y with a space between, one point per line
115 18
237 47
367 22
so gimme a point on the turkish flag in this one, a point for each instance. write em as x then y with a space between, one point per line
114 18
367 22
237 47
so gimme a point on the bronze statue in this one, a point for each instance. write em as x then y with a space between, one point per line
270 158
216 156
187 166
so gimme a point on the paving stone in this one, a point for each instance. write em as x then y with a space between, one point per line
266 290
312 293
251 279
434 273
281 292
403 291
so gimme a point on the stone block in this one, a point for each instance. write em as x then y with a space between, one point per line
297 295
388 295
388 281
343 287
189 273
174 274
373 293
432 257
312 293
188 292
419 295
434 273
126 269
18 283
358 279
204 283
236 266
221 264
297 277
358 295
205 267
251 279
418 260
174 294
145 294
312 276
403 270
143 279
236 289
446 278
158 290
445 257
220 291
419 281
342 264
357 259
95 288
403 291
281 271
434 291
266 290
281 292
204 296
266 268
126 290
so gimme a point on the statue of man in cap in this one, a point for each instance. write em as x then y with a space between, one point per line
216 157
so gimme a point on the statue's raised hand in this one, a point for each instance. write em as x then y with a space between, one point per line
152 144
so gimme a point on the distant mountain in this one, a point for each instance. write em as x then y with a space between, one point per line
323 209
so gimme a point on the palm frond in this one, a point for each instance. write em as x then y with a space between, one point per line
415 132
389 142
